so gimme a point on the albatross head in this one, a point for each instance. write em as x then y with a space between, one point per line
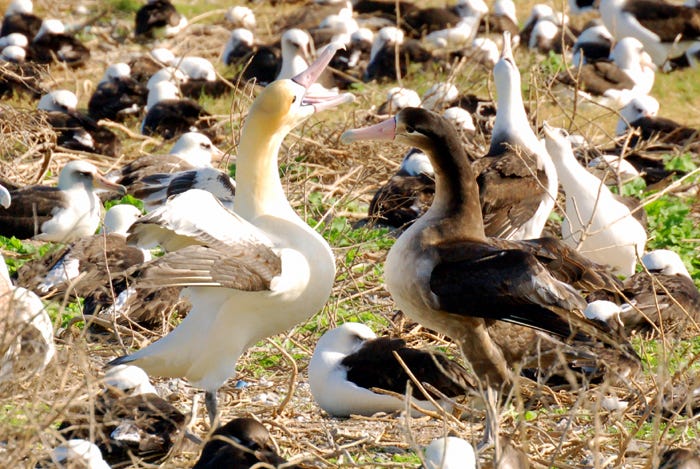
412 126
286 103
664 261
85 175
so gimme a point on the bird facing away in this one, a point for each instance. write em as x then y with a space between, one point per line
240 444
251 273
350 360
596 224
446 274
449 452
59 214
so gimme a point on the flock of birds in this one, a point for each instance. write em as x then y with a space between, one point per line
470 260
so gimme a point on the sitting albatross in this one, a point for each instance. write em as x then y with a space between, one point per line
60 214
251 273
446 274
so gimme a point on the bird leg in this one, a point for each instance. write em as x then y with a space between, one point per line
491 423
189 433
210 402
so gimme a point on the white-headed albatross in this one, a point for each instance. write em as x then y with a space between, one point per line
613 82
191 151
60 214
596 224
126 419
253 272
665 29
446 274
350 360
517 179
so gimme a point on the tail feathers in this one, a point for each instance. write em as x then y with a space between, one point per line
123 360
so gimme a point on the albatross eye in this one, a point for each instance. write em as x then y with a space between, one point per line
410 129
294 99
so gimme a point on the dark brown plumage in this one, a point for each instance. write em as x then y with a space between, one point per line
468 286
374 366
426 20
252 447
79 132
154 424
665 19
52 47
680 458
172 117
31 207
23 23
597 77
98 258
155 14
116 99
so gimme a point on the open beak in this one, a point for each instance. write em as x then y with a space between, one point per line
385 130
103 183
321 101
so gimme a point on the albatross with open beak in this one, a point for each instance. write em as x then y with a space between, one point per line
251 273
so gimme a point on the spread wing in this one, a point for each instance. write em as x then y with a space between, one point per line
196 217
243 267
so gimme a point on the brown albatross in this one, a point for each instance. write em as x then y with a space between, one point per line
446 274
59 214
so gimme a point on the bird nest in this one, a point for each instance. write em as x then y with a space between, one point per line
26 145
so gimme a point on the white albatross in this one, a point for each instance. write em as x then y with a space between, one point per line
251 273
599 226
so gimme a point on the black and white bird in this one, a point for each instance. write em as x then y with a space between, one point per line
192 150
59 214
663 297
640 116
117 95
350 360
76 130
159 14
127 418
20 18
665 29
53 43
86 263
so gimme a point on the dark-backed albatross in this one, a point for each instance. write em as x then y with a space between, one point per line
60 214
350 360
253 272
446 274
665 29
